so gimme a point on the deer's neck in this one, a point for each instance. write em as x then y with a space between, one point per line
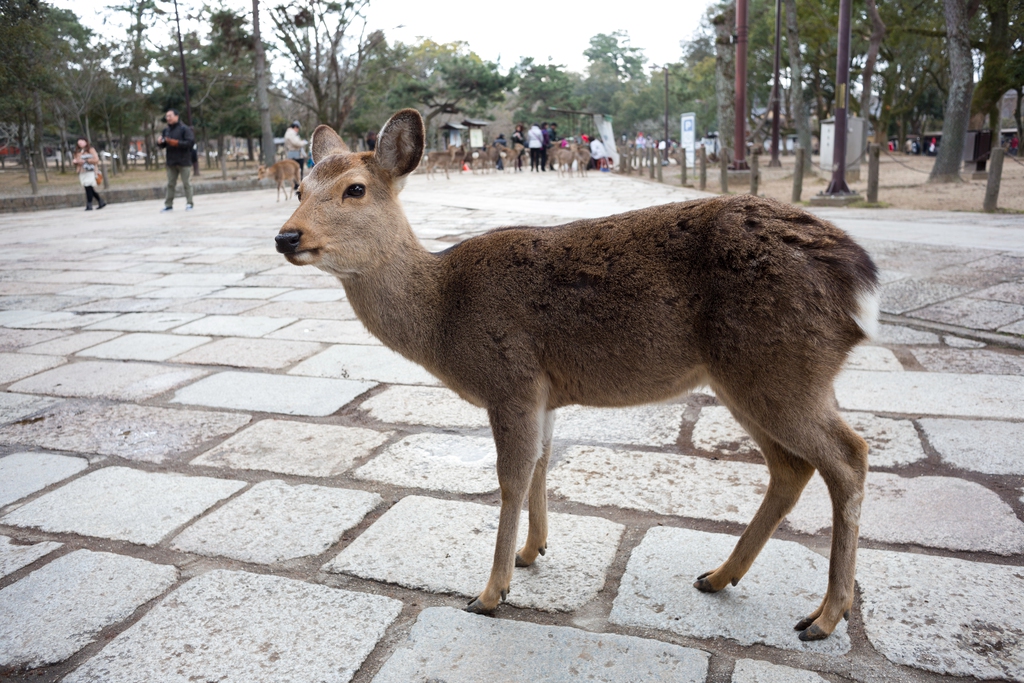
397 300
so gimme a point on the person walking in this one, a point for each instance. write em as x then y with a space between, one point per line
85 160
544 147
295 148
535 141
371 141
518 138
178 139
552 140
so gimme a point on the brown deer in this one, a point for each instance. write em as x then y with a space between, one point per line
452 157
582 159
285 172
562 157
757 299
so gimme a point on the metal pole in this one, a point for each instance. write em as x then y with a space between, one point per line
740 137
776 90
838 185
666 112
184 81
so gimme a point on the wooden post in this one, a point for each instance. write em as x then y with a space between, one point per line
661 172
798 175
874 151
724 170
651 153
755 171
703 168
682 163
995 171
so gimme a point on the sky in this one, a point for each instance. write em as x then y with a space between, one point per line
556 29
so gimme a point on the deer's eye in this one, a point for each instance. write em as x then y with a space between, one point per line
356 190
298 193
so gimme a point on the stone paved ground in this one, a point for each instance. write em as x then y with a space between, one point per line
210 471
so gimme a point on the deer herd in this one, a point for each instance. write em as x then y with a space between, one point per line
486 159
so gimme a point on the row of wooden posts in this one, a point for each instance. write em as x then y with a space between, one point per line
652 158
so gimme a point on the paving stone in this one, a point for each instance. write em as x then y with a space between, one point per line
250 292
970 361
236 626
215 306
300 448
313 396
1015 328
717 431
273 521
785 584
313 294
15 556
124 306
17 318
937 512
980 446
180 292
455 647
663 483
907 295
62 320
898 334
141 433
425 406
333 310
236 352
107 379
441 462
17 406
1010 292
373 363
944 614
329 331
14 366
67 345
123 504
648 425
444 546
757 671
931 393
144 346
961 343
233 326
196 280
60 608
873 358
12 340
146 322
25 473
975 313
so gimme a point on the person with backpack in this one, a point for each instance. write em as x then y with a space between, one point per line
179 141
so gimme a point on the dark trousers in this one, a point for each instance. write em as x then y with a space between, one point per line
543 158
534 158
90 194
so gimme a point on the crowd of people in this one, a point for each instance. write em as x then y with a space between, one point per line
541 138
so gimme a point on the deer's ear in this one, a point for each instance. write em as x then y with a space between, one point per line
325 143
400 143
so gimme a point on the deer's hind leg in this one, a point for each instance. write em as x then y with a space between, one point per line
537 537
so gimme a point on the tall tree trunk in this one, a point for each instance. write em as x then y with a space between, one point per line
725 78
27 157
796 91
958 104
222 157
262 97
1017 117
875 42
38 137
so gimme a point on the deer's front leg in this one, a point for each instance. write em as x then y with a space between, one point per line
517 437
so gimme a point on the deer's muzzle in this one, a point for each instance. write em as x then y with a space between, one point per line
288 242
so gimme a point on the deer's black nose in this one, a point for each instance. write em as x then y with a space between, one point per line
288 242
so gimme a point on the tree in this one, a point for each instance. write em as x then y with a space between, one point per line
540 86
613 52
797 104
725 78
958 102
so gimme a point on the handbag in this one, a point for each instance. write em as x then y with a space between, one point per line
99 177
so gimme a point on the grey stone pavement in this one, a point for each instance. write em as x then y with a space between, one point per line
210 471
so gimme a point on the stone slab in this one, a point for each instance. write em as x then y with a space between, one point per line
313 294
250 292
758 671
241 627
970 361
61 320
13 340
325 310
146 322
975 313
648 425
25 473
717 431
15 366
961 343
14 556
911 293
313 396
455 647
371 363
214 306
944 614
65 346
663 483
428 406
876 358
444 546
980 446
107 379
141 433
300 448
234 326
898 334
144 346
60 608
273 521
786 583
196 280
123 504
931 393
329 331
937 512
440 462
272 354
17 406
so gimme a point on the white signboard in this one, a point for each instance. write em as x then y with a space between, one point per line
688 139
476 138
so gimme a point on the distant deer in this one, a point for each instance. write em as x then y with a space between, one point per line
757 299
285 172
563 157
453 157
582 159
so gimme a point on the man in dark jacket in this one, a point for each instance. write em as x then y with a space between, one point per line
178 140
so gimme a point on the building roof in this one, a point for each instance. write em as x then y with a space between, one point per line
452 126
476 123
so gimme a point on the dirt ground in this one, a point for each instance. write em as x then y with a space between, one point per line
902 184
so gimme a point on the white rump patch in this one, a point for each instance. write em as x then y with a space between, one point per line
866 315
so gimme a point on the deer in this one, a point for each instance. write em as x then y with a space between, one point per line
563 158
454 156
758 300
582 159
282 171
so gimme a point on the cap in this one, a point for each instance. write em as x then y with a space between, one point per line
296 124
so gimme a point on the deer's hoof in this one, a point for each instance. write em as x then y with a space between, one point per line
803 623
703 585
813 632
520 562
477 607
543 550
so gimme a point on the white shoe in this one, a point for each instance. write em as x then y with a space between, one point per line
188 207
